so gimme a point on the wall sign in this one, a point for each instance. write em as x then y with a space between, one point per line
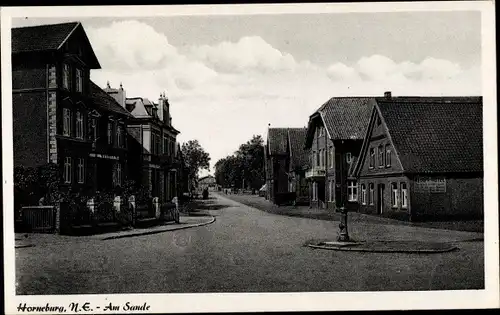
432 185
103 156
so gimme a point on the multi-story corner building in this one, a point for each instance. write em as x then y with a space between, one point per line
334 137
152 139
59 115
422 157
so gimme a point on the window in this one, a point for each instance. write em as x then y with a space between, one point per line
157 144
320 131
118 174
315 191
352 191
66 76
165 145
79 80
94 129
79 125
348 157
372 157
110 132
81 171
381 156
371 196
119 136
332 158
404 196
331 190
67 122
363 194
317 158
387 155
67 170
394 195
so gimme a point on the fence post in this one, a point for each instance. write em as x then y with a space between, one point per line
91 205
156 206
117 203
57 214
131 205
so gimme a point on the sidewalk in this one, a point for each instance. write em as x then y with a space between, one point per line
314 213
23 240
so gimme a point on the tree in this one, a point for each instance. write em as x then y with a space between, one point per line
245 168
196 159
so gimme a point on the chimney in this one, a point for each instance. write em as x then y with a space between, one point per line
160 107
118 94
388 94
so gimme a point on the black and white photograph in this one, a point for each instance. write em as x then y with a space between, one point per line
249 157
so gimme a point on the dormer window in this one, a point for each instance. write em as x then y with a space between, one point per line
387 155
66 76
79 80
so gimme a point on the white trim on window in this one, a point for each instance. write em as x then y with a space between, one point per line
371 196
67 117
110 132
67 170
387 155
66 77
79 125
394 195
404 196
79 80
81 170
352 191
372 158
363 194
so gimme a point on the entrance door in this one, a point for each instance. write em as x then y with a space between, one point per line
380 198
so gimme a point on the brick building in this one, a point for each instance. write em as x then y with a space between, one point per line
59 115
285 163
422 157
334 137
152 141
299 162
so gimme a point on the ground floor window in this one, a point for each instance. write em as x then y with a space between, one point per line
404 196
352 191
117 176
363 194
81 170
67 170
371 196
394 195
314 191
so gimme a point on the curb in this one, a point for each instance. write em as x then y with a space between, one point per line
364 249
24 246
212 220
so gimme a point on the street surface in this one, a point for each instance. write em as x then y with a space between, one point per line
247 250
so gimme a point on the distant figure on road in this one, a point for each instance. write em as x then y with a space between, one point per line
205 193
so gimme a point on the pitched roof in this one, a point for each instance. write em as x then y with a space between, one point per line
347 117
105 101
49 37
277 140
297 139
435 134
139 109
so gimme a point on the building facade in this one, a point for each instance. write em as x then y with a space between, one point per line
276 163
422 159
59 115
334 137
152 139
299 162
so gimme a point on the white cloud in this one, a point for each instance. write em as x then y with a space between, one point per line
225 93
249 53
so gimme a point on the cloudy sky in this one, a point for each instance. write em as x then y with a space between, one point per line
228 77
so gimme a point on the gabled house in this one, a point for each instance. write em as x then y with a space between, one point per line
335 134
277 161
285 163
59 115
422 157
153 140
299 161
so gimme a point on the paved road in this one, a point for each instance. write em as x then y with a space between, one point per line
245 250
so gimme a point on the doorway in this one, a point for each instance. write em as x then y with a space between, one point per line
380 198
